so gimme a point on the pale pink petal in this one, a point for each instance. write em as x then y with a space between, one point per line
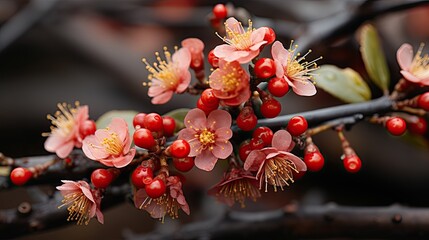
281 140
254 160
223 50
196 148
222 149
127 145
195 119
186 134
64 150
123 161
268 150
300 165
184 83
234 25
120 127
410 77
301 88
258 36
107 161
279 53
182 58
257 46
101 134
100 216
219 119
193 44
279 69
92 210
241 98
155 90
162 98
272 154
92 149
404 55
185 208
237 55
53 142
223 133
205 160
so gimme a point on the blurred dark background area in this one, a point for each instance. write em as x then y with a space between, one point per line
55 51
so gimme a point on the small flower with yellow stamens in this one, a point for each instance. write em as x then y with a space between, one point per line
414 68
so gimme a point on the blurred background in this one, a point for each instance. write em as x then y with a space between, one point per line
90 51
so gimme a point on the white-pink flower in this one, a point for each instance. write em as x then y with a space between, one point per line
83 202
207 136
110 146
195 47
241 45
274 165
169 76
414 68
65 133
296 73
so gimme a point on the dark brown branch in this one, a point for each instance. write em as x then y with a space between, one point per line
329 221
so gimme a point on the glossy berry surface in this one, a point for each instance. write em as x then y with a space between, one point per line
180 148
101 178
153 122
263 133
278 87
143 138
20 176
213 60
156 188
209 99
183 164
207 110
352 163
246 120
423 101
271 108
396 126
169 125
87 128
265 68
270 35
418 126
244 151
140 174
297 125
220 11
138 120
256 143
314 161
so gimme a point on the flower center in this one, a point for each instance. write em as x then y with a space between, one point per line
298 70
63 121
239 190
112 144
231 80
278 172
164 71
238 37
420 65
206 137
79 208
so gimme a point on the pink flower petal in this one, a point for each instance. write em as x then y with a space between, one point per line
258 36
100 216
65 149
236 55
107 161
219 119
195 119
234 25
249 56
82 114
196 148
281 140
205 160
223 51
279 69
184 83
254 160
123 161
53 142
223 133
162 98
182 58
120 127
404 55
222 149
92 149
186 134
155 90
279 53
241 98
410 77
256 47
300 165
301 88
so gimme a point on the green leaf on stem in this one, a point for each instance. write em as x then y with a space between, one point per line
179 116
128 115
373 57
345 84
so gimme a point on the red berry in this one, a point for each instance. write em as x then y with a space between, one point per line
169 125
265 68
220 11
87 128
153 122
180 148
246 120
297 125
271 108
256 143
265 134
156 188
396 126
138 120
314 161
213 60
278 87
418 125
143 138
19 176
352 163
207 110
270 35
140 174
423 101
209 99
183 164
101 178
244 150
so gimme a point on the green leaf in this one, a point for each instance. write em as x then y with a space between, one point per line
107 117
179 116
373 57
345 84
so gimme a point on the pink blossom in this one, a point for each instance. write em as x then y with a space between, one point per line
296 73
208 137
110 146
236 186
275 164
169 76
195 47
230 83
241 45
65 133
414 68
83 202
170 203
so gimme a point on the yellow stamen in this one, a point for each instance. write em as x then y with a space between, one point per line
420 64
239 190
278 172
63 120
241 39
79 208
164 70
112 144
